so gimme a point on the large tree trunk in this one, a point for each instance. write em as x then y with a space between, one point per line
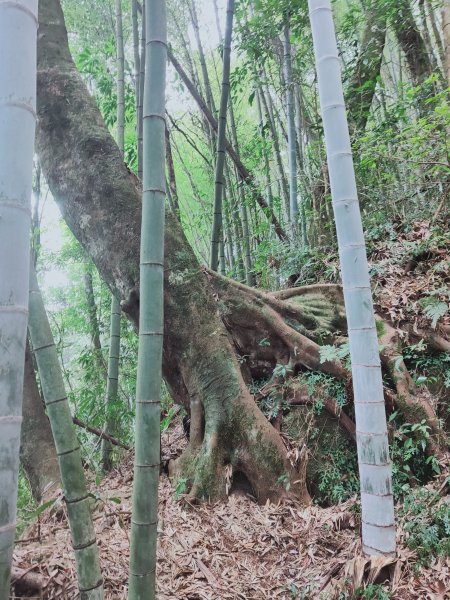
100 202
411 42
362 84
37 449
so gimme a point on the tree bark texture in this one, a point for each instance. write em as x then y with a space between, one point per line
37 449
411 42
364 79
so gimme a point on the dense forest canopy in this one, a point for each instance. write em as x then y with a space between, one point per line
280 381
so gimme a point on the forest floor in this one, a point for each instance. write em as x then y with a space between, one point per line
237 549
228 550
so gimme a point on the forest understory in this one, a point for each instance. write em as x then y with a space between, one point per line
236 549
239 548
210 180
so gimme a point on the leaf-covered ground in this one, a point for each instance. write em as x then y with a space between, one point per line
411 275
234 549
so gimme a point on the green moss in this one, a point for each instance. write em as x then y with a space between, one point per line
381 328
332 467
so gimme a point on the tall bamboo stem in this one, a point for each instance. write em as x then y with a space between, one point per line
112 386
292 137
221 139
377 503
18 26
142 582
76 494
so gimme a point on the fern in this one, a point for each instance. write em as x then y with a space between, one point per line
435 311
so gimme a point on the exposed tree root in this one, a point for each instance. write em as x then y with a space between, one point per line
279 327
414 407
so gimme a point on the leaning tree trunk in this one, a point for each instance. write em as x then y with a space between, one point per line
377 502
221 140
144 520
37 448
100 201
76 495
18 24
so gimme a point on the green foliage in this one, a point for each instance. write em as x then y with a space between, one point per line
338 477
373 591
434 310
320 385
26 505
410 464
426 367
180 487
84 367
330 353
426 522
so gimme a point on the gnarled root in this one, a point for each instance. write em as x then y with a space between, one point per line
247 443
415 408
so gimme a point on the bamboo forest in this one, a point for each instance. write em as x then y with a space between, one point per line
225 299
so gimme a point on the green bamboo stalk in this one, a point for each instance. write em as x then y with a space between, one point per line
112 385
202 59
18 27
142 582
120 78
300 160
140 119
293 201
137 57
244 174
250 279
377 503
76 494
269 194
249 275
221 139
276 143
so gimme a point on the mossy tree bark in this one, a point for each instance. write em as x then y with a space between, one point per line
37 448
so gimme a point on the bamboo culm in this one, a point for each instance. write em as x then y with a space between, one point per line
244 174
292 136
151 319
137 57
140 119
76 494
112 385
377 504
221 140
18 31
